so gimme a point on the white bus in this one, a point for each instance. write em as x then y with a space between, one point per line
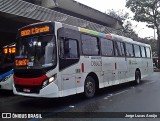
56 60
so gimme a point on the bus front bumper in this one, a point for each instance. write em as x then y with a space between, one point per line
50 91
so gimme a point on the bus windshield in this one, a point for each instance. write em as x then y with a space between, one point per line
7 55
36 52
1 56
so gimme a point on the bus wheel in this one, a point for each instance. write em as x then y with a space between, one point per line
137 77
89 87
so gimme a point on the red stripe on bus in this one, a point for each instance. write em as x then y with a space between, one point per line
30 81
82 67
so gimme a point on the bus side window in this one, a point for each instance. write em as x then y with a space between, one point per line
119 49
129 50
148 52
137 51
107 47
69 48
90 45
143 52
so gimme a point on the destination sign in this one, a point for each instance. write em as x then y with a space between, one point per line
22 62
35 30
9 50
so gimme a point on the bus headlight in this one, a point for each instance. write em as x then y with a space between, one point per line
50 80
6 78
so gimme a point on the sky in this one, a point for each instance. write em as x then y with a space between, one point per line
104 5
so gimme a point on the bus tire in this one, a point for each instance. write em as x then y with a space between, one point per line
89 87
137 77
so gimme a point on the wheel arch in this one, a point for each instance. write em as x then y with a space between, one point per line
137 69
95 77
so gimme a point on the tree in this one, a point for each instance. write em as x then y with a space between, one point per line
147 11
123 16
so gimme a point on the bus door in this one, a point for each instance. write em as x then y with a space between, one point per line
149 60
131 62
121 62
144 61
69 56
108 62
138 64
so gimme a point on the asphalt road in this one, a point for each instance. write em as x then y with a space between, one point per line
122 98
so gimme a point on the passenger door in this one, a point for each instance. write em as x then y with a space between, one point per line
121 61
149 61
68 60
144 61
108 62
131 61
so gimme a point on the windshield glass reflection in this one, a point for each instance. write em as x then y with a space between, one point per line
38 51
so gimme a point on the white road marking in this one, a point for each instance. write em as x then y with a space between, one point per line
111 95
151 82
121 92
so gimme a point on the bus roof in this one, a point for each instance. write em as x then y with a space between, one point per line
37 23
126 39
10 45
114 36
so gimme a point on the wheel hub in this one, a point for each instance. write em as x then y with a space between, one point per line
89 87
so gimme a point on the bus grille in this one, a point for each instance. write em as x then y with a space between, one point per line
31 89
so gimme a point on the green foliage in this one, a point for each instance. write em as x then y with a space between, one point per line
145 11
124 17
148 11
120 14
128 27
151 42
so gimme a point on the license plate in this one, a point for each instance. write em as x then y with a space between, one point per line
26 90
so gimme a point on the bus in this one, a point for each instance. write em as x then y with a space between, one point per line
57 60
6 66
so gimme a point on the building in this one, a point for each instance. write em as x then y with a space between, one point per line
17 13
79 10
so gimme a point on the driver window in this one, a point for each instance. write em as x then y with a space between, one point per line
49 53
69 48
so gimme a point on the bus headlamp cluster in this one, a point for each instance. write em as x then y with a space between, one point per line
6 78
50 80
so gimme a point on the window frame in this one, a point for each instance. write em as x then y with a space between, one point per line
139 50
101 48
132 50
123 48
98 42
78 52
146 52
